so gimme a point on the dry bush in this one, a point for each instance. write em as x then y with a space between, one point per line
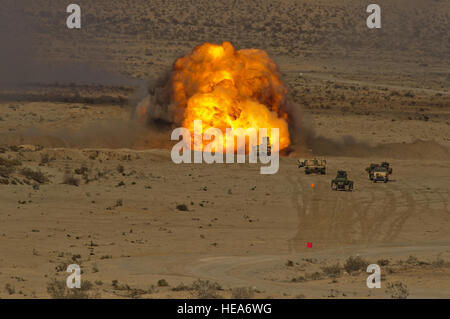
204 289
438 262
182 287
83 170
6 171
182 207
58 290
242 293
120 169
71 180
289 263
333 271
413 261
45 159
9 163
383 262
7 167
128 291
37 176
10 289
314 276
397 290
354 264
163 283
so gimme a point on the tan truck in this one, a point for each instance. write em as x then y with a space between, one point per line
380 174
314 165
380 167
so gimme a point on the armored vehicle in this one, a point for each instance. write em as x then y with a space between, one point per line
372 167
315 165
341 182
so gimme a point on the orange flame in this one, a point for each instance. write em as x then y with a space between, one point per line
233 89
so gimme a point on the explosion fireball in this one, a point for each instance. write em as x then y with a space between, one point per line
233 89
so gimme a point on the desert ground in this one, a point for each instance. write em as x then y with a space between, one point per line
81 182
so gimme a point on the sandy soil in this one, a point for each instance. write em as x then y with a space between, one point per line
81 182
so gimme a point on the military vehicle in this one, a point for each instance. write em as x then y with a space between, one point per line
380 173
266 141
315 165
341 182
373 166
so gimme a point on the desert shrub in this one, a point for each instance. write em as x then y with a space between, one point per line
6 171
58 290
162 283
242 293
289 263
438 262
7 166
120 169
37 176
83 170
299 279
383 262
332 271
9 163
204 289
353 264
314 276
71 180
10 289
45 159
182 207
414 261
182 287
397 290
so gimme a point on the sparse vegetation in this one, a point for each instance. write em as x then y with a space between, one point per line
182 207
10 289
120 169
332 271
289 263
162 283
397 290
37 175
355 264
438 262
182 287
383 262
71 180
7 166
45 159
314 276
242 293
9 162
204 289
58 290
